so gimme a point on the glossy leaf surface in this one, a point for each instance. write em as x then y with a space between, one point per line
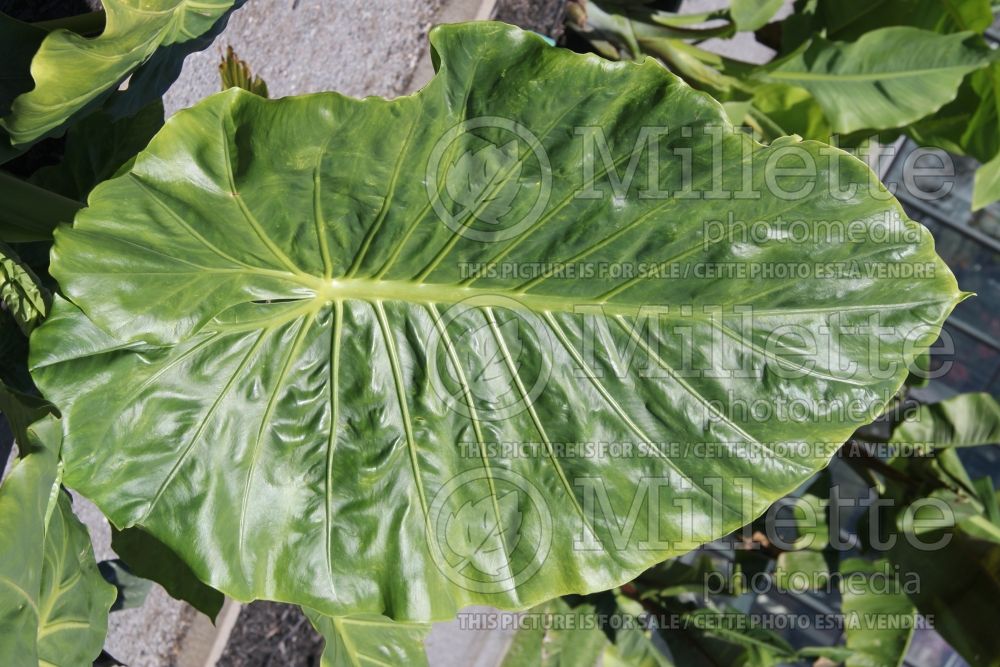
70 70
276 361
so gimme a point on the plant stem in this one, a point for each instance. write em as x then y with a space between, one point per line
31 213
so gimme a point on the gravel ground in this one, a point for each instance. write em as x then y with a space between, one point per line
356 47
147 636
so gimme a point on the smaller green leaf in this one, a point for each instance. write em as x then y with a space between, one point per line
886 79
988 497
966 420
737 111
31 213
792 110
633 643
986 188
132 590
70 71
558 636
54 610
801 571
850 19
22 410
958 587
370 639
810 514
729 637
151 80
675 577
149 558
837 654
21 291
749 15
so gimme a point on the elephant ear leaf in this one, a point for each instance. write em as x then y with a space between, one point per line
71 70
370 639
879 619
965 420
888 78
54 608
281 325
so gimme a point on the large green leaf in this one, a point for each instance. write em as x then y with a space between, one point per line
148 83
753 14
966 420
275 362
70 70
369 639
886 79
54 607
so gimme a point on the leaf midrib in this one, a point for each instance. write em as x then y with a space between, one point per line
361 289
864 77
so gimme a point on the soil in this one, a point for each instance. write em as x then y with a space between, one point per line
271 634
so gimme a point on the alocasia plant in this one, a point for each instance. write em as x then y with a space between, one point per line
893 77
292 340
54 605
847 69
264 357
70 70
